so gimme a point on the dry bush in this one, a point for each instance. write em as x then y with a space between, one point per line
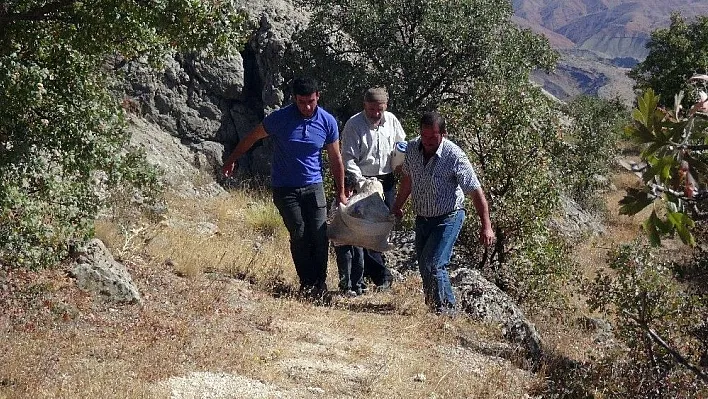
264 219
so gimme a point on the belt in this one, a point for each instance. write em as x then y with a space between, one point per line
443 216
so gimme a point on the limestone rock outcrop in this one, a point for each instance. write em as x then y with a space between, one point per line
96 271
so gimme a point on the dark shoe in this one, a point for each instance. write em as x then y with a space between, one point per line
385 286
311 292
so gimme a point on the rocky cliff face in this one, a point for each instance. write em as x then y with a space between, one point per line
210 106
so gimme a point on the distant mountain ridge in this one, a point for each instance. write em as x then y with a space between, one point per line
613 28
595 35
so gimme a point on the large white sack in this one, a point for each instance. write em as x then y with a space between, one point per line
365 221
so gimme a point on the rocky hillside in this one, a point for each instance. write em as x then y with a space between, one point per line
598 39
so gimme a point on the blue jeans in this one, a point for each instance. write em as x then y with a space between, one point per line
304 212
350 264
434 240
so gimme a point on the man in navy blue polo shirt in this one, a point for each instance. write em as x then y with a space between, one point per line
299 132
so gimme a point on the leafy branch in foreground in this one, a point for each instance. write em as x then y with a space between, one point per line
675 172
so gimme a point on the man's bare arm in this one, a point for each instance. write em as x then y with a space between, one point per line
486 234
242 147
404 191
335 165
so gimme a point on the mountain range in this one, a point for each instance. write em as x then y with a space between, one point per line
599 40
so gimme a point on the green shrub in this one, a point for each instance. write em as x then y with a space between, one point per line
509 143
655 317
590 144
61 131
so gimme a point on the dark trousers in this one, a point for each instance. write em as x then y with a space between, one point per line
374 262
304 212
350 264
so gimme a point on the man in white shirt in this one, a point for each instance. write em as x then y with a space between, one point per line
368 141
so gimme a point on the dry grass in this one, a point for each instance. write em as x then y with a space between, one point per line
213 303
213 274
592 254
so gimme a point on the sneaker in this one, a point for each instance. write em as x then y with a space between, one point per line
349 293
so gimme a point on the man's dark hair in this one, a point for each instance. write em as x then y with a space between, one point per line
349 181
432 118
304 86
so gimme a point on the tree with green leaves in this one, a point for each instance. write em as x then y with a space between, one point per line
511 143
673 143
675 54
62 131
467 59
589 146
426 52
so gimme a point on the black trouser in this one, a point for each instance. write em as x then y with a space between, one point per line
374 262
350 264
304 212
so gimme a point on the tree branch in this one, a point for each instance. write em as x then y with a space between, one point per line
37 14
697 148
655 187
703 376
679 358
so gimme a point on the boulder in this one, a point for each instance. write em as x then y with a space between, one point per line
187 171
484 301
574 223
96 270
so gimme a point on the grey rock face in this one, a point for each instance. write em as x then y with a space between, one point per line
186 171
219 101
483 300
223 77
277 20
191 98
576 223
97 271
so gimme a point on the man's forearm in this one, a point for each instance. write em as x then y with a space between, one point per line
404 191
336 167
482 207
338 175
244 145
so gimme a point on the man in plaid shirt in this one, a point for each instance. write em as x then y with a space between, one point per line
438 175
